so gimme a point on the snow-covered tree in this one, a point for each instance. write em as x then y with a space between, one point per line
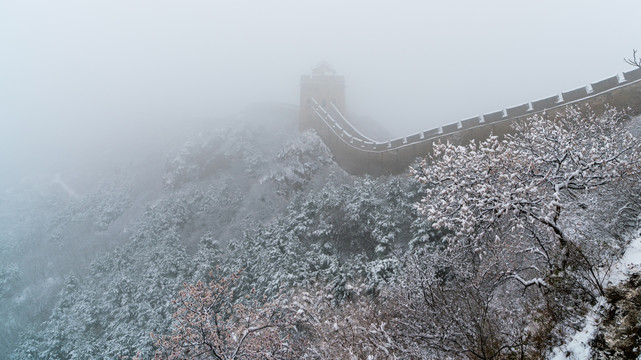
299 161
516 215
358 328
208 324
513 193
442 307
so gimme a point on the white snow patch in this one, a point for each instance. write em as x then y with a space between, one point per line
577 347
628 264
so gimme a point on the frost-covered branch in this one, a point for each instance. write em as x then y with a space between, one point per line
527 283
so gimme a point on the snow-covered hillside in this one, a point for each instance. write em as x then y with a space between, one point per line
92 259
89 270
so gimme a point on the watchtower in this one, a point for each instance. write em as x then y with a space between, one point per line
325 87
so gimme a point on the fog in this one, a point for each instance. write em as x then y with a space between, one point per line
78 78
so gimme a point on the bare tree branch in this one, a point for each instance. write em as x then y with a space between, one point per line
634 61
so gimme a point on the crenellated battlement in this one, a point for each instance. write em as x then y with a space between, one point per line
358 154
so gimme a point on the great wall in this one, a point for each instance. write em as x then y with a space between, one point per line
322 107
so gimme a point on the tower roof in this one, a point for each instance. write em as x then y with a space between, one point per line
323 68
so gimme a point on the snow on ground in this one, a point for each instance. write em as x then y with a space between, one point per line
577 347
628 264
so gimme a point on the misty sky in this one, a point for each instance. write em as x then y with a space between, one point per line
81 76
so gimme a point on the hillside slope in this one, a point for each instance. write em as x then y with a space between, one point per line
89 274
91 260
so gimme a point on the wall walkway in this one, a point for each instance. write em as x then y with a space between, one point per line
358 154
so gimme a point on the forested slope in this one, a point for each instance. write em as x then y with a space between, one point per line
462 260
91 276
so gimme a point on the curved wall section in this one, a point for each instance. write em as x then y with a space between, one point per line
359 155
